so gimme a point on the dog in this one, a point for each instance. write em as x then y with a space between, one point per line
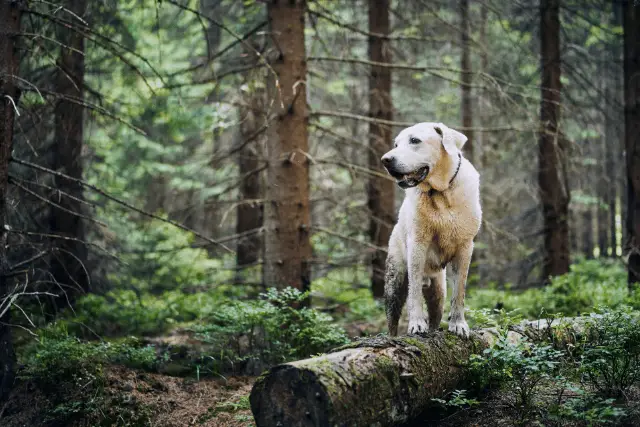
438 220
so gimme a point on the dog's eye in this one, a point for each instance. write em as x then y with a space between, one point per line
414 140
395 145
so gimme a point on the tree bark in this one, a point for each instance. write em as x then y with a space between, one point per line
616 140
609 175
287 217
379 381
466 77
249 212
466 102
554 194
587 210
68 265
380 191
632 134
9 29
621 177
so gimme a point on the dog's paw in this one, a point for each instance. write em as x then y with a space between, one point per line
460 328
418 326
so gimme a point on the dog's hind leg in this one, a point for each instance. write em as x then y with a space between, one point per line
395 290
435 294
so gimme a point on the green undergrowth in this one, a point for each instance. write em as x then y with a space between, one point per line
71 373
69 365
590 283
572 377
220 334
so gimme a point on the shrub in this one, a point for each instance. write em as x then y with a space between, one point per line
521 368
125 312
589 283
57 357
157 256
585 407
610 360
348 290
271 330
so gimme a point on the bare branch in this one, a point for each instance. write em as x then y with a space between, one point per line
52 203
119 201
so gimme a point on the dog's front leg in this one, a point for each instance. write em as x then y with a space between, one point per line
460 265
415 271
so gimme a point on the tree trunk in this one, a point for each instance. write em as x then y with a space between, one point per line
9 28
554 194
379 381
574 233
380 191
618 74
287 218
587 190
466 77
482 148
619 195
249 212
609 175
466 102
632 133
68 264
602 207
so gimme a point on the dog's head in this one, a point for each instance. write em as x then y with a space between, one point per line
419 151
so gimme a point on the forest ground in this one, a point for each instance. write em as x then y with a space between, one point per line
190 359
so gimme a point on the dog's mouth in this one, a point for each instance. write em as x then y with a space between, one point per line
413 178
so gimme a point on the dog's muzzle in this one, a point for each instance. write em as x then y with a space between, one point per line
414 178
411 179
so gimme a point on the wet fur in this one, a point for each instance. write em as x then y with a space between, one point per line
436 227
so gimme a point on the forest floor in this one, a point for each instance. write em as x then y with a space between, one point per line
131 397
143 399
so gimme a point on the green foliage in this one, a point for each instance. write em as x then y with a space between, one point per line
72 372
57 358
159 257
458 400
275 329
589 283
348 290
579 383
494 318
587 408
521 367
610 359
122 312
125 312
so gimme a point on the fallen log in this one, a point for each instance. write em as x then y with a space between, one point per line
380 381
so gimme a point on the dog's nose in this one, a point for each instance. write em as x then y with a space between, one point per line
387 160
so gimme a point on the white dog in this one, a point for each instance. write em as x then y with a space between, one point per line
438 220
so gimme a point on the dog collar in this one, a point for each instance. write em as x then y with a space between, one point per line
432 191
457 169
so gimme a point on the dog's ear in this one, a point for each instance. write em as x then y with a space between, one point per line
452 140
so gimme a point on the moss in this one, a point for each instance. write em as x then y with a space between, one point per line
416 343
385 363
451 340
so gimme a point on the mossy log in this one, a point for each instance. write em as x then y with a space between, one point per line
379 381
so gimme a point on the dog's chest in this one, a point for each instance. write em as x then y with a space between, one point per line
440 231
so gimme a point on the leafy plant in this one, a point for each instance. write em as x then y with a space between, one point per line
58 358
586 407
458 400
610 360
272 330
589 283
521 368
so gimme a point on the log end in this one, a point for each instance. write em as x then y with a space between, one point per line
289 396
